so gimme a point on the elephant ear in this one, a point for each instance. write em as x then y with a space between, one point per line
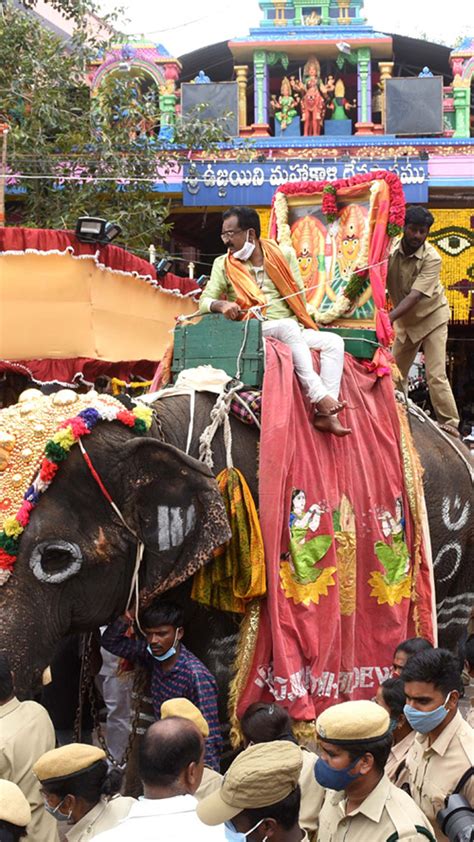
173 503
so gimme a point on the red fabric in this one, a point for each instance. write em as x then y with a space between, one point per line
44 240
174 283
73 371
309 656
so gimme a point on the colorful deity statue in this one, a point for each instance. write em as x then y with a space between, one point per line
313 19
169 97
338 106
284 107
313 95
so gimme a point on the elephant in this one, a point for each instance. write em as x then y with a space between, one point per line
77 558
43 601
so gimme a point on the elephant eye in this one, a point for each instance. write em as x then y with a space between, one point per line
55 561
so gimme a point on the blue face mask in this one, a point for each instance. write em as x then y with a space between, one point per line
170 652
331 778
425 721
233 835
54 811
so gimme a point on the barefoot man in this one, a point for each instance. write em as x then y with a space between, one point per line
258 273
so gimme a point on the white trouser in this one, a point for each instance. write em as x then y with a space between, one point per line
116 694
300 341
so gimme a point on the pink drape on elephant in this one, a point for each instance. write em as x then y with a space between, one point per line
346 576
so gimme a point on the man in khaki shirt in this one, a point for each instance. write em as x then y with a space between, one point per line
361 804
421 312
444 746
263 723
391 696
26 732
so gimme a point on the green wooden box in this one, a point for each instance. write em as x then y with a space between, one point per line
217 341
360 342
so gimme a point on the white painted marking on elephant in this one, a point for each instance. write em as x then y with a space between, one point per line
164 542
458 519
190 519
444 611
456 548
456 597
176 527
174 524
461 620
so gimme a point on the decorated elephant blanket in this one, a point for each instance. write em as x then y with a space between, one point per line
348 572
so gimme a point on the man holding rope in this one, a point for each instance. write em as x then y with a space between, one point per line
259 279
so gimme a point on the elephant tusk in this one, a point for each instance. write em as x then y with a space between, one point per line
46 677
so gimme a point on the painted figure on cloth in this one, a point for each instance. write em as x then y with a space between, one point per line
285 107
308 236
348 251
306 553
394 584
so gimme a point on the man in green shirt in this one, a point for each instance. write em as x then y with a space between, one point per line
255 272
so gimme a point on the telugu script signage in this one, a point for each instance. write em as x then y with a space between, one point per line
228 183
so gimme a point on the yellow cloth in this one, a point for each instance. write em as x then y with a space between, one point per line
237 574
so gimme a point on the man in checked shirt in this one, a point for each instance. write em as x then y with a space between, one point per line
174 670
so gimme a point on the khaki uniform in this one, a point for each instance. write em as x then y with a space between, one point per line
426 324
211 780
26 732
396 765
386 811
435 770
104 816
312 795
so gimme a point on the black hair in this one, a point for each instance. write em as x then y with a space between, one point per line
379 749
285 812
393 692
416 215
469 651
6 679
11 832
248 218
161 613
413 645
435 666
165 752
263 723
89 785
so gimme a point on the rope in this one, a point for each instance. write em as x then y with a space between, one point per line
258 307
134 585
423 418
219 415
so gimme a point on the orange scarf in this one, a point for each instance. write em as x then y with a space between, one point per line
247 292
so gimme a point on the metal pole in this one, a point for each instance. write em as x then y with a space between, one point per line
3 173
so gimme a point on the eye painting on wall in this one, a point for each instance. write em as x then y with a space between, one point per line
453 237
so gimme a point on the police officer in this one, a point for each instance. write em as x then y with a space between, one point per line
355 741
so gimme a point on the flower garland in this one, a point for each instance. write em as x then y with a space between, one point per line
56 451
356 283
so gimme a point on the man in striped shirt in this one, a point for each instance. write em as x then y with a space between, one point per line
174 670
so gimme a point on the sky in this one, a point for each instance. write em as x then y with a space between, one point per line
209 21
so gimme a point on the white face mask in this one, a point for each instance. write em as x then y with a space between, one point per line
245 253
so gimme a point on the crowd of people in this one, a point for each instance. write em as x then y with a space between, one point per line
380 769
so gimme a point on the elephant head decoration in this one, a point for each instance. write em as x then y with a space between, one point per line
85 490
